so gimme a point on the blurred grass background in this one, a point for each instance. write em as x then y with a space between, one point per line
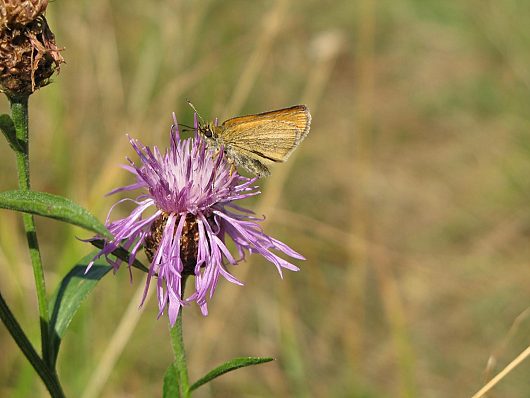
409 198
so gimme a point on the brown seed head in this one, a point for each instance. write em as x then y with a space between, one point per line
16 13
189 241
28 57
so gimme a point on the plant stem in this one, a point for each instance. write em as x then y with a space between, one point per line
19 114
48 377
177 342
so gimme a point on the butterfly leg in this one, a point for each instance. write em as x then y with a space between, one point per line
232 167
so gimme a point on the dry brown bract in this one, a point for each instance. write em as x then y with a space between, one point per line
19 13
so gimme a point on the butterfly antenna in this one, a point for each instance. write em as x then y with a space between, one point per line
186 127
195 110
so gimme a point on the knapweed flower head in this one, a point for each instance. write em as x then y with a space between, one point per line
184 218
28 52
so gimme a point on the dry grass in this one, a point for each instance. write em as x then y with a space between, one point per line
409 198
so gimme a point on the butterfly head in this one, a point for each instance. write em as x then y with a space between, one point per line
210 134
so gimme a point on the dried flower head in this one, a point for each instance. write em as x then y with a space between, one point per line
28 52
15 13
184 218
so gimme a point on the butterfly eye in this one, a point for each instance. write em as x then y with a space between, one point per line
208 132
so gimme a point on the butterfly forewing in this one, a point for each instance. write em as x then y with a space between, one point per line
271 135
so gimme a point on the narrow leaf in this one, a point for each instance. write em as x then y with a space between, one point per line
52 206
226 367
8 128
72 291
171 383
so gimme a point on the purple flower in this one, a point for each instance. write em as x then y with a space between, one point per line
183 218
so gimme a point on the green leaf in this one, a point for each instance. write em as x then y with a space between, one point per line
52 206
171 383
226 367
8 128
72 291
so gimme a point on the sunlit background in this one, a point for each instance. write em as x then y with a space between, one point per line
409 198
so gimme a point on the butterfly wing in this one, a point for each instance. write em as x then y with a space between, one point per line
269 136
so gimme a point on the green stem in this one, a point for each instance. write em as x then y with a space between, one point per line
48 377
177 342
19 114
